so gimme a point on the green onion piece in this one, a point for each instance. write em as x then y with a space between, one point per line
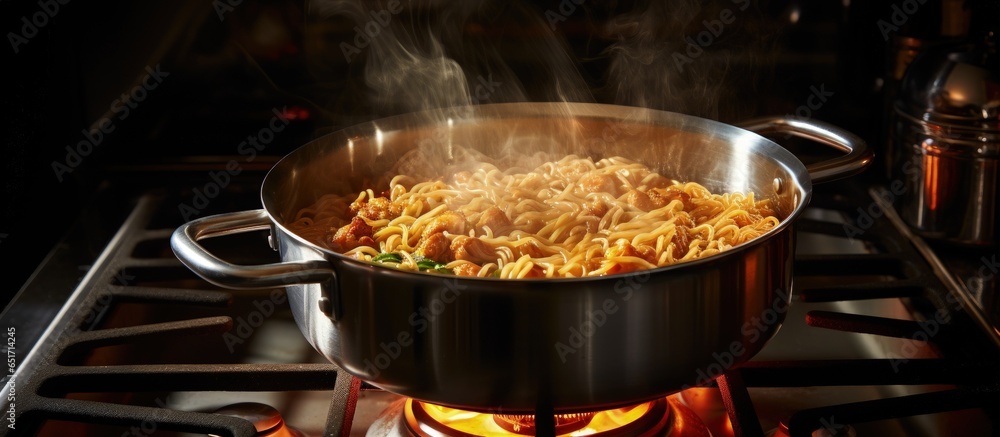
388 257
422 263
429 264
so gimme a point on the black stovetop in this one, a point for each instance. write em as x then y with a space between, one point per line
118 336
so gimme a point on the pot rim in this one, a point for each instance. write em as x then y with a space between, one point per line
775 152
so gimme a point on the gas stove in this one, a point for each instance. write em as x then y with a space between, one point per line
886 334
881 339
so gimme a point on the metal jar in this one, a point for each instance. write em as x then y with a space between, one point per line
946 141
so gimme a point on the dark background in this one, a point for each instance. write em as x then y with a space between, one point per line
230 66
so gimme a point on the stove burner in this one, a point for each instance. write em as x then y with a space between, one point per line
525 424
662 417
266 420
838 431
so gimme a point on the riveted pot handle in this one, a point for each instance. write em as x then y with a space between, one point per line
184 242
858 156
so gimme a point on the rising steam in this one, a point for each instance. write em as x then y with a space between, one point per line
431 55
698 57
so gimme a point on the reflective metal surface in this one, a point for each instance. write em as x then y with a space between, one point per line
949 181
955 88
226 274
963 278
947 145
857 156
534 345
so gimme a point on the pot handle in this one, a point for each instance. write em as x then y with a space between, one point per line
858 154
184 242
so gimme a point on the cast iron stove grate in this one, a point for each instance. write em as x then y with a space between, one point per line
59 369
115 287
968 356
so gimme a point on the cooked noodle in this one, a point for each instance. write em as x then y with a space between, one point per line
567 218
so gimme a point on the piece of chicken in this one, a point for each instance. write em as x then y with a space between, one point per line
379 208
663 196
472 249
639 200
435 247
357 233
450 221
467 269
496 220
623 247
599 183
596 208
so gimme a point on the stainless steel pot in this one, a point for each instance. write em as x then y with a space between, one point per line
946 141
535 345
